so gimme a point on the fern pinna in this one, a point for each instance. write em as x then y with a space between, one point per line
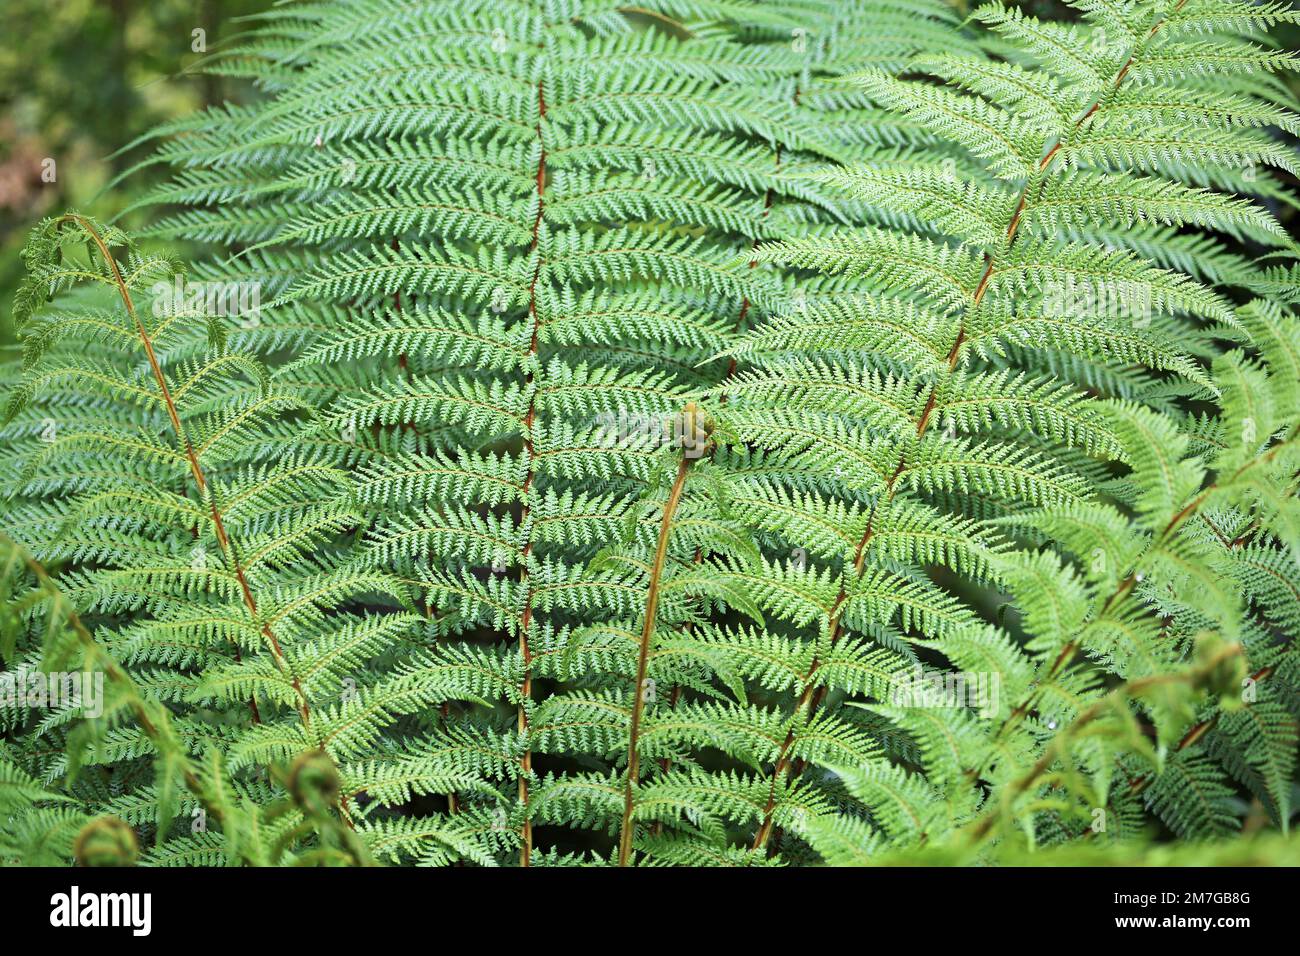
600 430
1051 242
197 539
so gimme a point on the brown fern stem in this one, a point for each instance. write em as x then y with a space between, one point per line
666 764
526 617
643 658
810 699
200 480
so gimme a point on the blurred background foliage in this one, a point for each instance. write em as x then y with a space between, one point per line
79 79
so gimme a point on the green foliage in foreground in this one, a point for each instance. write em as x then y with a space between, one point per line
671 438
